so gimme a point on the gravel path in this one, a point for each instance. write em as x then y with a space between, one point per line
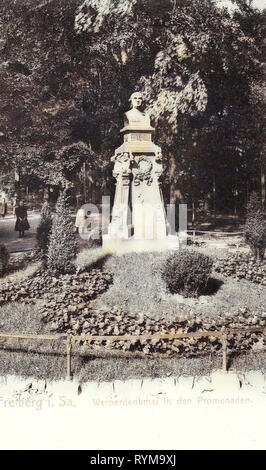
9 237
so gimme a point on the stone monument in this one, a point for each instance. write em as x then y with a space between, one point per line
138 214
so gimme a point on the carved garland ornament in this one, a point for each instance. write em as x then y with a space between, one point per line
122 164
143 172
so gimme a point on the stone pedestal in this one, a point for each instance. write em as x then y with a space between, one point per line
138 213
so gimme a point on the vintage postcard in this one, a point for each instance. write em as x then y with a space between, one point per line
132 226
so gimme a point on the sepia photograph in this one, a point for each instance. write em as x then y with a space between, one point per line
132 227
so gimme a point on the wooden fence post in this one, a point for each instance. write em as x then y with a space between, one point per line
68 357
224 349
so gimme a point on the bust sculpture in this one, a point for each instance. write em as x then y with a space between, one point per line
135 117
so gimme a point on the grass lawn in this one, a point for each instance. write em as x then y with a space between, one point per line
137 288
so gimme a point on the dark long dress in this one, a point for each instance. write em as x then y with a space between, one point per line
22 223
3 208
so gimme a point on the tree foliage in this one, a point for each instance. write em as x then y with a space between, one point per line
68 68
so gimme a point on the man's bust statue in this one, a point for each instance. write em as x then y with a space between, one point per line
135 118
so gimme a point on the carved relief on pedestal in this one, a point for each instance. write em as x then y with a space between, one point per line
122 165
143 172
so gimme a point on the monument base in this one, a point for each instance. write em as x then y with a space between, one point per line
120 246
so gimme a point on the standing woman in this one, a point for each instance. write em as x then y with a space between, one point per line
22 223
3 207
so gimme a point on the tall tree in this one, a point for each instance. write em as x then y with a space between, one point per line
69 66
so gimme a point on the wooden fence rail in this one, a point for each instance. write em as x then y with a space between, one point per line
215 232
222 334
195 232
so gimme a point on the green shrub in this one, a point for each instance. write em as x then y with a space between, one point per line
255 235
63 246
187 272
43 234
4 257
255 227
253 204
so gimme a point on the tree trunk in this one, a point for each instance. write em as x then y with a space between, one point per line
175 194
207 202
84 182
214 196
193 213
262 179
